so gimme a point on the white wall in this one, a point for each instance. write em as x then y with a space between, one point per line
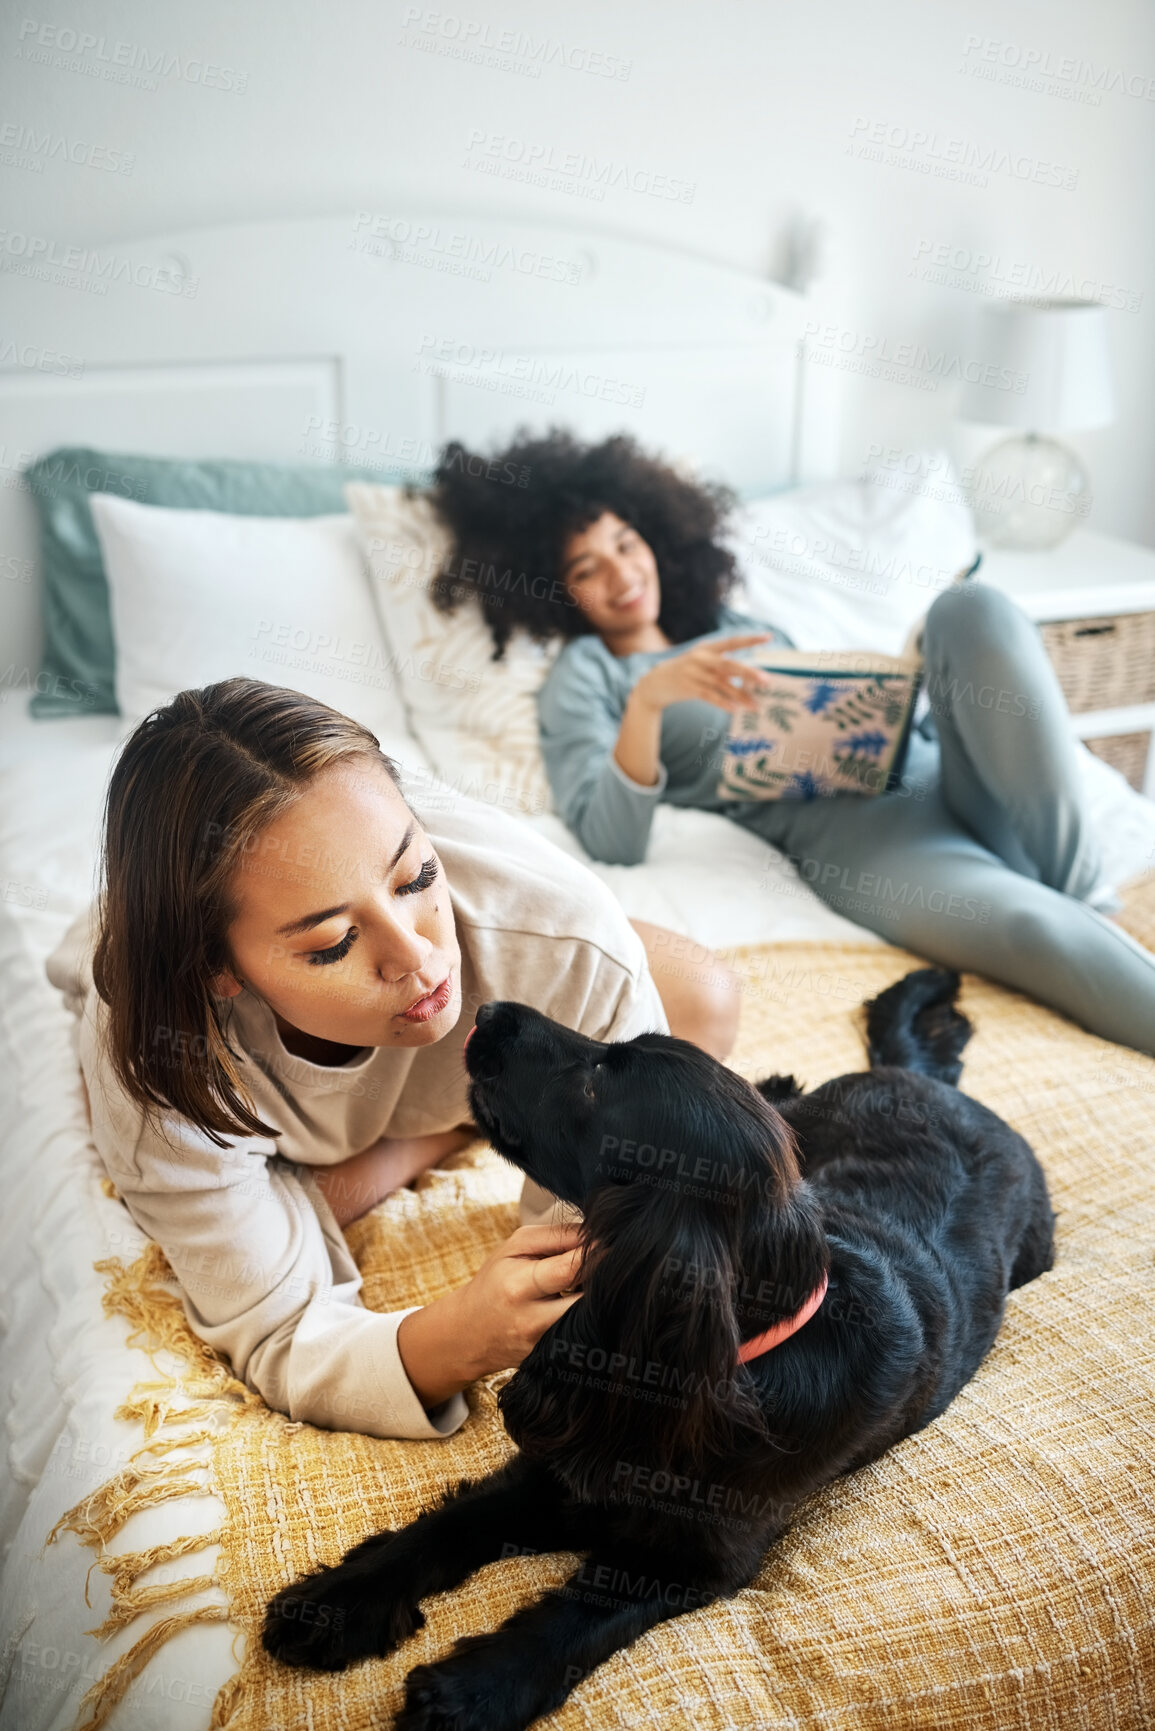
753 111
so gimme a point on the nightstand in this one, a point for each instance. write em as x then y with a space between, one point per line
1093 599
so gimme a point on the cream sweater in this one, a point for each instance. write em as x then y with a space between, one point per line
266 1275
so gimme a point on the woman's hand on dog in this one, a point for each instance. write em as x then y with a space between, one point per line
495 1319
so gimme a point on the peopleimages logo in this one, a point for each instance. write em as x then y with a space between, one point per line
476 40
540 377
1042 70
572 171
43 360
86 268
397 240
930 152
868 351
69 50
998 277
24 147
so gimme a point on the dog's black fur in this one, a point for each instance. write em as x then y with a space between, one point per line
712 1209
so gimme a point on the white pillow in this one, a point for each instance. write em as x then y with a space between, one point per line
475 717
853 564
198 596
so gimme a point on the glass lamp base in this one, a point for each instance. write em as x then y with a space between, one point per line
1028 492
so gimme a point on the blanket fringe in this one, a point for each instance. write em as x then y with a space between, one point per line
153 1404
187 1439
127 1567
195 1406
133 1600
96 1517
227 1701
143 1293
111 1688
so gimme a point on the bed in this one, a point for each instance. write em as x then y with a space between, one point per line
994 1571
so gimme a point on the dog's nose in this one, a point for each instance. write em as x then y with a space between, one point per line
485 1014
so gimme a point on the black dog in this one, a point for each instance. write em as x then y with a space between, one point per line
648 1441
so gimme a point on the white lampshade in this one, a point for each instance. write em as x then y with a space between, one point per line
1060 349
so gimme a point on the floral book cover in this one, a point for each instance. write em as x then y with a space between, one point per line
828 722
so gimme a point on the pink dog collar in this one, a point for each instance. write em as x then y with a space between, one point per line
783 1330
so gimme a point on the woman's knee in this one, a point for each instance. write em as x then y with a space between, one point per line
717 1008
981 649
701 994
977 615
972 611
1041 936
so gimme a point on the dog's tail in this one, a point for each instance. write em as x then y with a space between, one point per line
915 1025
778 1088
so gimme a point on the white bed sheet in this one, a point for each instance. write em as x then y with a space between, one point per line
66 1367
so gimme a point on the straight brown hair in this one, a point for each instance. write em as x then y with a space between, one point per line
193 788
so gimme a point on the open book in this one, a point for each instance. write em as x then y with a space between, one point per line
830 721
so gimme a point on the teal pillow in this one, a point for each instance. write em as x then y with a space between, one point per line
78 672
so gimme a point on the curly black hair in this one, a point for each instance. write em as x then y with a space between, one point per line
512 513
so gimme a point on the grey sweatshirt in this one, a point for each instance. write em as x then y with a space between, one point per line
580 709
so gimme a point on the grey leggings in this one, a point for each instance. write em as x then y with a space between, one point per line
978 859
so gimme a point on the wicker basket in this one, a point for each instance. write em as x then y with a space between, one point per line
1126 752
1103 663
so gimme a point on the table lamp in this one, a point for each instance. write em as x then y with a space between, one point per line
1046 369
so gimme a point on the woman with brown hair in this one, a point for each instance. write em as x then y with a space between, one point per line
286 961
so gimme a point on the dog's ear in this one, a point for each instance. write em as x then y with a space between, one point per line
644 1368
670 1287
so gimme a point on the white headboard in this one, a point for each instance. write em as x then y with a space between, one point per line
373 337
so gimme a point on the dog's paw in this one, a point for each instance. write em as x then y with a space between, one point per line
334 1618
439 1698
485 1684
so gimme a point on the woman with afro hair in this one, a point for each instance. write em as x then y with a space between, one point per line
980 858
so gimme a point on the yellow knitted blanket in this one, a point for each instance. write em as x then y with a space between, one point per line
994 1573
